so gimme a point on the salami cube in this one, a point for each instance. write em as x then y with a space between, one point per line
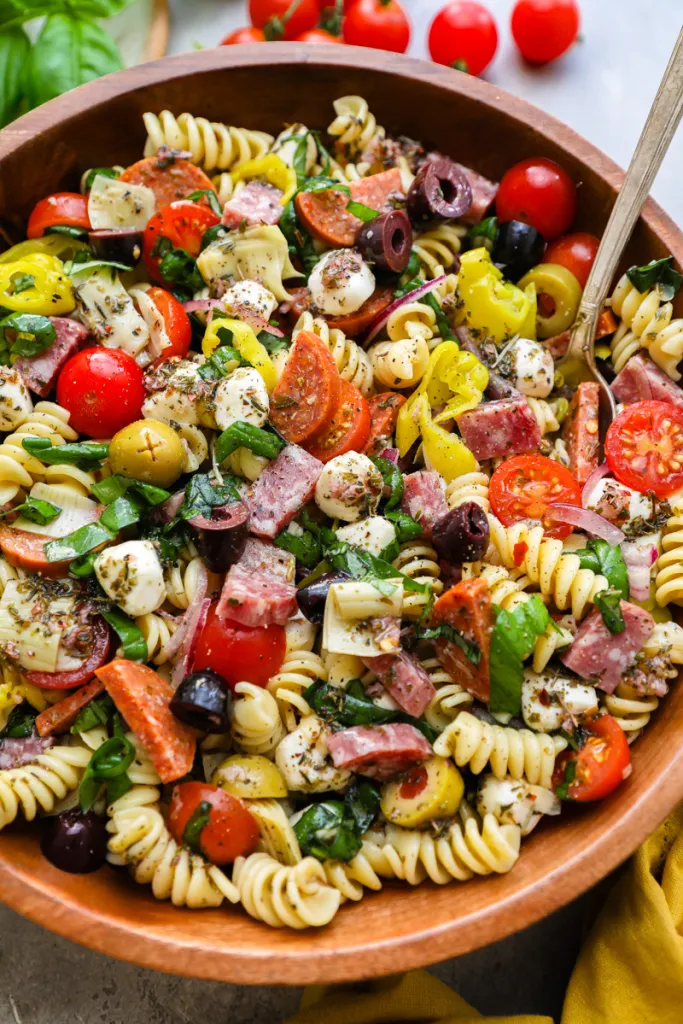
262 557
40 372
603 657
256 203
501 428
378 751
404 678
14 753
256 599
281 490
642 380
424 499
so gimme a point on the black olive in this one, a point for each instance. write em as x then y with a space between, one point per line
117 246
440 189
313 596
462 535
74 841
220 540
387 240
204 701
519 247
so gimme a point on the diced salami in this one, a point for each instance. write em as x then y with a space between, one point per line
558 344
603 657
264 558
581 430
143 697
404 678
281 490
424 499
504 427
256 203
378 751
256 599
60 717
17 752
40 372
642 380
483 193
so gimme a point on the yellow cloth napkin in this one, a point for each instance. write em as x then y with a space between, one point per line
630 970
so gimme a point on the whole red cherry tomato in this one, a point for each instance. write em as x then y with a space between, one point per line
318 35
247 34
382 24
576 252
602 761
539 192
176 322
184 224
102 389
68 209
463 35
544 29
250 654
211 822
272 16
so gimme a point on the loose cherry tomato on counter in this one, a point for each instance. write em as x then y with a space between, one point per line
463 35
248 34
575 252
102 389
318 35
184 224
273 17
539 192
239 653
170 177
63 209
99 643
176 322
544 29
211 822
382 24
524 486
644 447
594 770
349 428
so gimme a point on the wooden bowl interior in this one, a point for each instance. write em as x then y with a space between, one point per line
399 928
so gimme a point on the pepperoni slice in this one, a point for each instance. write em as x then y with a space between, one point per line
467 608
169 180
324 214
347 430
581 430
60 717
353 324
307 395
27 551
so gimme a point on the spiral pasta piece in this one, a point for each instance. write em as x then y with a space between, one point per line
212 145
18 468
669 569
195 446
420 562
39 785
631 710
438 247
666 638
664 342
297 672
293 896
278 838
354 126
157 631
469 487
245 464
399 364
256 726
646 322
351 361
450 698
546 414
352 877
182 581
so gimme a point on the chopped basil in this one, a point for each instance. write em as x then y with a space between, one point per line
85 455
446 632
609 604
84 566
406 528
80 542
196 825
333 829
35 510
123 511
20 723
482 233
393 479
108 767
218 365
562 790
67 229
360 210
201 496
105 172
76 266
176 266
608 561
213 234
34 334
168 540
300 155
658 272
20 283
210 196
445 329
246 435
322 152
98 712
345 708
306 546
513 639
363 566
113 487
132 640
272 342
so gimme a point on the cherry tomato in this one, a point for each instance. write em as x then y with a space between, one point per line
184 224
349 428
544 29
267 13
602 761
99 653
63 208
176 322
211 822
463 35
644 447
102 389
318 35
523 487
250 654
382 24
248 34
576 252
384 410
538 192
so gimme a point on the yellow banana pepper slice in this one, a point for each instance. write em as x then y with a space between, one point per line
52 245
443 451
36 284
492 305
273 169
246 343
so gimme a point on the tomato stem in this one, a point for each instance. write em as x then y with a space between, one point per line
332 18
461 65
274 28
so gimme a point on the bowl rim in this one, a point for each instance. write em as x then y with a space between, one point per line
167 950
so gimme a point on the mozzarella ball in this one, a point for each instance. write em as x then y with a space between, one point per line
131 575
249 298
241 396
373 534
349 487
305 762
515 802
15 402
285 146
531 368
548 697
178 401
341 282
619 503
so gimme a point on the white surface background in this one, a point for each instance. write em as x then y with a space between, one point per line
602 87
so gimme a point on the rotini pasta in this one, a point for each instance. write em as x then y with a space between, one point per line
295 896
399 364
278 838
469 487
669 569
646 321
297 672
20 469
182 581
39 785
631 710
354 126
352 362
450 697
438 247
157 630
420 562
245 464
257 727
212 145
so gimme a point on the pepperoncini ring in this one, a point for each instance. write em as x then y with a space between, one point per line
273 169
445 452
36 283
246 343
492 305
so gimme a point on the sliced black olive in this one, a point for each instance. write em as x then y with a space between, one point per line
220 540
204 701
462 535
74 841
518 247
387 240
312 597
440 189
117 246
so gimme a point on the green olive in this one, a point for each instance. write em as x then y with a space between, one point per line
147 450
250 777
431 790
558 295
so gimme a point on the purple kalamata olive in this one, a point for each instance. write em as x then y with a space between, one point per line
204 701
440 189
462 535
387 241
220 540
74 841
313 596
117 246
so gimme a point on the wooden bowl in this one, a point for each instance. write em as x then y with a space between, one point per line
399 928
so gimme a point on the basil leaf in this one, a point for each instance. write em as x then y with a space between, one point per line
406 528
84 566
34 333
84 454
324 832
513 639
78 543
562 790
20 723
608 561
322 152
362 803
483 232
306 546
168 540
218 365
272 343
132 639
210 196
657 272
246 435
345 708
103 172
393 479
97 712
176 266
444 631
445 329
67 229
213 234
201 496
36 511
300 155
14 50
21 283
360 210
124 511
113 487
87 266
196 825
361 565
109 763
118 787
609 604
97 8
68 52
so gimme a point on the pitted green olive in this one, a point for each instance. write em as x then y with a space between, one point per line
431 790
250 777
147 450
558 296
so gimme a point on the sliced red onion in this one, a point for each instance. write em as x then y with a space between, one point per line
592 482
168 509
584 519
185 660
390 454
203 305
424 289
639 556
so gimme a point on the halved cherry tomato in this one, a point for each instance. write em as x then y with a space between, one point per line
170 178
270 14
211 822
27 551
538 192
318 35
463 35
644 447
382 24
63 208
306 397
544 29
239 653
523 487
348 429
184 224
384 410
102 389
576 252
101 640
176 322
248 34
594 770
